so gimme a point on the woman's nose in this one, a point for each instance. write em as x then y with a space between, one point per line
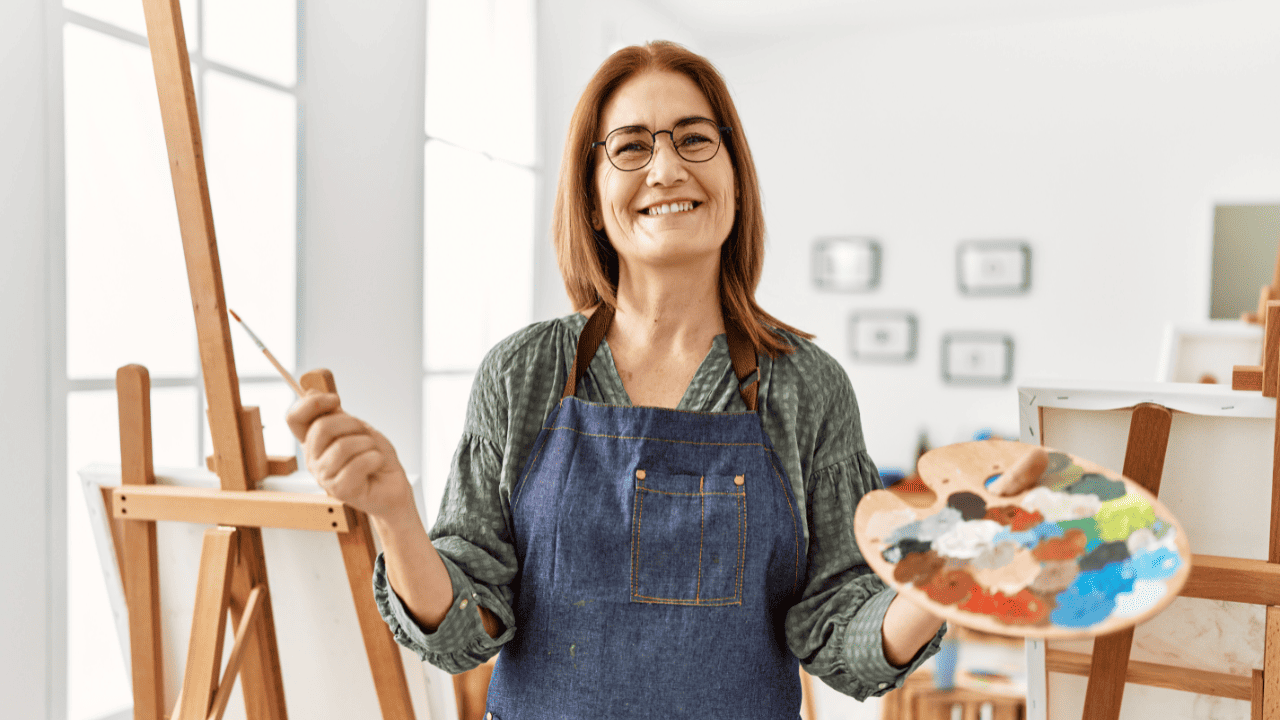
667 166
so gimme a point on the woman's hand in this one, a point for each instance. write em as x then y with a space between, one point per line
349 459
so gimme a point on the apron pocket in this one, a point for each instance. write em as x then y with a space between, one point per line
688 538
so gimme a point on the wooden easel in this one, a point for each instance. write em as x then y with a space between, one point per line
233 573
1212 577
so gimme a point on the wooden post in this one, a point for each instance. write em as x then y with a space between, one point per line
1143 463
140 566
208 623
358 554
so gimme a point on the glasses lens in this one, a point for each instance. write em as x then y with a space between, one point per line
629 148
696 140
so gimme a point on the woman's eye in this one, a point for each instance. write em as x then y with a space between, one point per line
694 140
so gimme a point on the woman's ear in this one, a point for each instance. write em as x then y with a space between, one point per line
597 223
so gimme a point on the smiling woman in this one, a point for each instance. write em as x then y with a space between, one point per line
661 480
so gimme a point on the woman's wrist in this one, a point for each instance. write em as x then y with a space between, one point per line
907 628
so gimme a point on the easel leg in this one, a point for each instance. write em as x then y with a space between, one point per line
208 623
139 566
358 555
260 677
1144 463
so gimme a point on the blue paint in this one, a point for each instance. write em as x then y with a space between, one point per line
1092 597
992 479
1032 537
1155 564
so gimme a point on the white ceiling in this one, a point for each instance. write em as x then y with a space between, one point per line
797 17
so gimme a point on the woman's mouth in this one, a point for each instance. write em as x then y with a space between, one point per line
668 208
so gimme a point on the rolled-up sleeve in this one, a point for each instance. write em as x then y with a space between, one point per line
835 628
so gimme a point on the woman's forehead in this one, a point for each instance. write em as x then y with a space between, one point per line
655 100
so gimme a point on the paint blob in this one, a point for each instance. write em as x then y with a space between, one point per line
970 505
1118 518
926 529
1097 484
950 587
967 540
903 548
1060 506
1021 608
1068 547
1145 594
1055 576
918 568
1012 577
1014 517
1104 555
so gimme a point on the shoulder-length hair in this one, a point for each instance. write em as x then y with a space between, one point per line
589 263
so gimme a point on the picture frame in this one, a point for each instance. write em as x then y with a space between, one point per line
993 267
977 358
846 264
888 336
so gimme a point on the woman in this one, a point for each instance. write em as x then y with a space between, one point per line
651 510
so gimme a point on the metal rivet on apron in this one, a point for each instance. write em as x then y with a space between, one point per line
488 717
463 604
739 479
639 474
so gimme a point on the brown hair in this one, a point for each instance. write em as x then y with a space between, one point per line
588 262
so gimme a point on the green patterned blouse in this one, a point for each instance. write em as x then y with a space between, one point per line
809 412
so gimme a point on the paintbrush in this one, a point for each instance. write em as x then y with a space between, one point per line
283 373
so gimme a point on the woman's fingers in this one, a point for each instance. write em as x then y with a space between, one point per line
307 409
327 429
352 481
339 453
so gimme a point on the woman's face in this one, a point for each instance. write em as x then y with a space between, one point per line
624 200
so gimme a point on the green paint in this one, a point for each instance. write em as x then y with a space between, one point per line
582 603
1060 479
1100 485
1117 519
1089 526
573 650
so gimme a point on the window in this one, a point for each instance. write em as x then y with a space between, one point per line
481 176
127 299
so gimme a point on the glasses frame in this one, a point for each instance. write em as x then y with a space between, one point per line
653 148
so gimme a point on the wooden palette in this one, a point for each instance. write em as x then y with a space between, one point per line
1085 551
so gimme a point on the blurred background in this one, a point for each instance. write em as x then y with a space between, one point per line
382 176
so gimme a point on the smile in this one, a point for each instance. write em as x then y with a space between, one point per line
668 208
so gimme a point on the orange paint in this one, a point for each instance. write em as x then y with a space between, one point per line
1070 545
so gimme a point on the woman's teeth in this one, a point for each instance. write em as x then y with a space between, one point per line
669 208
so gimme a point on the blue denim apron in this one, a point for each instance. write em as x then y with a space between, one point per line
659 551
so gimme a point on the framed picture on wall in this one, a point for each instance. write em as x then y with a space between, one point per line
846 264
882 336
993 267
977 358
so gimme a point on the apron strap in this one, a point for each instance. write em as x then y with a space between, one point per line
742 354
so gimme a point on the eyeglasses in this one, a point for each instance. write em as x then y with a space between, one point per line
631 148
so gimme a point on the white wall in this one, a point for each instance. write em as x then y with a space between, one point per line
32 611
361 264
1103 141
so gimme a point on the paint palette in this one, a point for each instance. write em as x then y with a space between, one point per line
1083 551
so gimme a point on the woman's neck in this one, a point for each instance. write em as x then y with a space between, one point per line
668 309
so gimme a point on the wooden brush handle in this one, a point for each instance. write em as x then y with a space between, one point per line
319 379
1023 474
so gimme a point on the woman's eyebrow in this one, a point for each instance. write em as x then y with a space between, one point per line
677 122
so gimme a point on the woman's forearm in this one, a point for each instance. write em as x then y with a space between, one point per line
907 628
414 568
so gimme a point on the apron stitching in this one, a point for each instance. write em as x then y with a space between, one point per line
702 532
656 439
742 542
786 495
638 513
697 494
703 602
534 461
